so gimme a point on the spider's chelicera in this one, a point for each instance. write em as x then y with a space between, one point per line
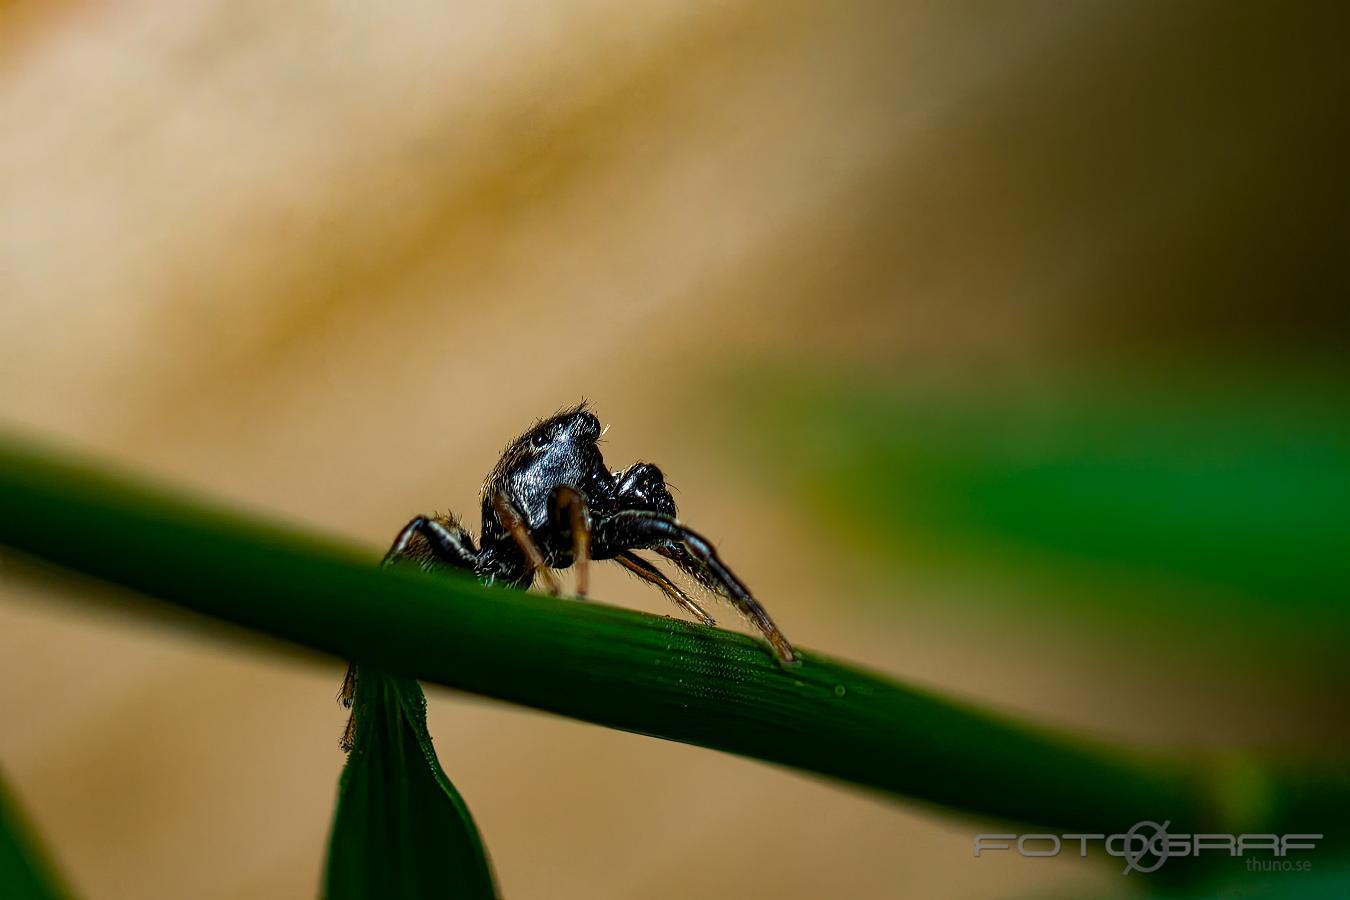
550 503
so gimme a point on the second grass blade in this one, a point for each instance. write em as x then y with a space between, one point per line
400 829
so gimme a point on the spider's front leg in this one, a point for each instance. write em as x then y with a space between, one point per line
514 523
433 542
632 529
570 519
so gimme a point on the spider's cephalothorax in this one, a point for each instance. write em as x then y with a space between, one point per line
550 503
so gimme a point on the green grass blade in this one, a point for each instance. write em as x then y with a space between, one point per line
400 829
619 668
25 873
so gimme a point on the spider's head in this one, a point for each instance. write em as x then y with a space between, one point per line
562 449
571 430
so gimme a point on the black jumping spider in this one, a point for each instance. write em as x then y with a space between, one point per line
551 503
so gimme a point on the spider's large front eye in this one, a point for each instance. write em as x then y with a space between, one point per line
539 441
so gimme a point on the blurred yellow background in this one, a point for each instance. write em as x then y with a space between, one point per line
324 260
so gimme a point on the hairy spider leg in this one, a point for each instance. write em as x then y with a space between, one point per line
348 739
635 529
445 544
652 575
568 510
512 521
348 689
448 544
692 566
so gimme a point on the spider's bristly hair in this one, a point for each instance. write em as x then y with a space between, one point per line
564 412
690 565
419 550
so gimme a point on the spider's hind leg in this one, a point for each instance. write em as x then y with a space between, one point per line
433 542
632 529
652 575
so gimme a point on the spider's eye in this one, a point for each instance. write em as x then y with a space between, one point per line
539 441
591 426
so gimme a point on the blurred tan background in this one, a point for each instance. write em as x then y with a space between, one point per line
324 260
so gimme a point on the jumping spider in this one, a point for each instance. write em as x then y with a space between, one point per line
551 503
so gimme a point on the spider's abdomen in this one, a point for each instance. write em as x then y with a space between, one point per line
643 486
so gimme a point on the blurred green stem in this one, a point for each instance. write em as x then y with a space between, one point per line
25 871
623 669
